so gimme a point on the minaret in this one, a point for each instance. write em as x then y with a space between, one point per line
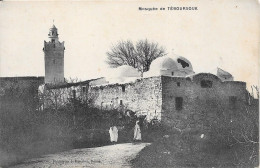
54 58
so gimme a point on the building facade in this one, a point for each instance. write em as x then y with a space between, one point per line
174 101
171 93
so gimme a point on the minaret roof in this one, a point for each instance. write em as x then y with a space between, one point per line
53 27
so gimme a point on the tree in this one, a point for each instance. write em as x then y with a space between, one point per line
139 56
147 52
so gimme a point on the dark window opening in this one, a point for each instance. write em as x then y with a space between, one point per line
54 46
123 88
232 101
84 89
172 73
121 102
206 84
74 94
54 62
52 40
178 84
183 63
178 103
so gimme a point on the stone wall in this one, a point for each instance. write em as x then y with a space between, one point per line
59 95
142 97
21 82
199 102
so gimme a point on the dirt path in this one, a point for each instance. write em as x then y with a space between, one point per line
107 156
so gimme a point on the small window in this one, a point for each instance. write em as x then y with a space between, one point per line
172 73
54 61
52 40
54 46
178 103
178 84
232 101
121 102
84 89
74 93
123 88
206 84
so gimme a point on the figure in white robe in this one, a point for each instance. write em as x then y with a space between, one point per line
113 131
137 132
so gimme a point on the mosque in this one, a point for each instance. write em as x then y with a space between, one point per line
170 92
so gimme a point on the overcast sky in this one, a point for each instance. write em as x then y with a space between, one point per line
220 33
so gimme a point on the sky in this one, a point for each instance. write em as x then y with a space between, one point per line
220 33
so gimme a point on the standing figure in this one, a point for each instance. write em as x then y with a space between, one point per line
137 132
113 131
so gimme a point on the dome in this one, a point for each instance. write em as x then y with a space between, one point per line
163 63
170 66
125 71
162 66
122 72
183 64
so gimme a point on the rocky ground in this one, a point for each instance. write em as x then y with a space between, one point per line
114 156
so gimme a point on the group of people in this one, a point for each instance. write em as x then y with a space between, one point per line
113 131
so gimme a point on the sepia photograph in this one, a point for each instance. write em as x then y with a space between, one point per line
129 84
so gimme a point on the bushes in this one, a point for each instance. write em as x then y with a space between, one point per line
190 150
26 131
